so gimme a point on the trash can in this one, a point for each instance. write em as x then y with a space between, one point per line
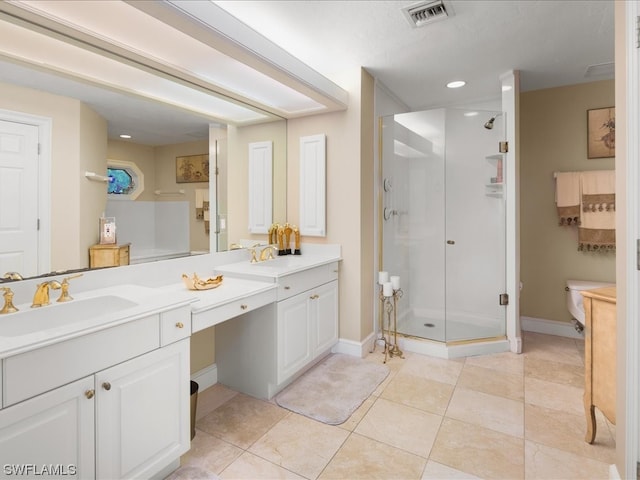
194 405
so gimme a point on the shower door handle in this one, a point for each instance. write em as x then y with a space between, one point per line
450 242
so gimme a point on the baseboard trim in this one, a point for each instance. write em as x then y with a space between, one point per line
549 327
206 377
355 349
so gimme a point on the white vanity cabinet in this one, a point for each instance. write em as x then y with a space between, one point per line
262 351
128 417
307 328
55 428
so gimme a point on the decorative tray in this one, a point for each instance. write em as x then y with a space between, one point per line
196 283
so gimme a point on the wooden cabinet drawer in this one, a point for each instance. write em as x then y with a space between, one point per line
31 373
208 318
290 285
175 325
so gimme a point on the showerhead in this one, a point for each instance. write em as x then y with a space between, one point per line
489 124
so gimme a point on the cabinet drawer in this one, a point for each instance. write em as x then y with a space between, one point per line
208 318
290 285
34 372
175 325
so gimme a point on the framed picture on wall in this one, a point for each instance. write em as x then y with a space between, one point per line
192 168
601 133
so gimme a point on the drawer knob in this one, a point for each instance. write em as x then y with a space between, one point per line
287 287
106 386
89 394
314 296
244 307
180 325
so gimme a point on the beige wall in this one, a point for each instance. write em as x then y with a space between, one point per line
553 137
350 205
93 158
70 121
159 167
165 157
238 141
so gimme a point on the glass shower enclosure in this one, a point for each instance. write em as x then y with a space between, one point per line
442 222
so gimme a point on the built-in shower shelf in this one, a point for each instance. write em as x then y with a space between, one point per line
494 189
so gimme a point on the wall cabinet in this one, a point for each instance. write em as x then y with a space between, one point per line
128 420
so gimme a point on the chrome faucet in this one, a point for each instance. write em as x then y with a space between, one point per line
41 297
267 253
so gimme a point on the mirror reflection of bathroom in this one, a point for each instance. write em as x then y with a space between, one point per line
443 227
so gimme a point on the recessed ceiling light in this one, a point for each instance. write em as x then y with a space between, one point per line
124 135
470 114
456 84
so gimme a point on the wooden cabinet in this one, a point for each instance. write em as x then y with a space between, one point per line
600 356
108 255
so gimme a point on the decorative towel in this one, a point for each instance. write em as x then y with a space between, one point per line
597 230
202 197
568 197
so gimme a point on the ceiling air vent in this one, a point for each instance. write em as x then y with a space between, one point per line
422 13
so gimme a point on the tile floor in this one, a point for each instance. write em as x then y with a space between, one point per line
498 416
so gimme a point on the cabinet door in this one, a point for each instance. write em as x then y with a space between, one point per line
55 429
294 346
324 312
142 413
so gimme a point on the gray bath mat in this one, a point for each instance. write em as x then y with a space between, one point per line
332 390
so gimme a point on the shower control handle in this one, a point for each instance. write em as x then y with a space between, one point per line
450 242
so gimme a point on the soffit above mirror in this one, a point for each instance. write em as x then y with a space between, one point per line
192 55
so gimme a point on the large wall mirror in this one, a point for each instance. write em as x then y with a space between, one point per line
84 123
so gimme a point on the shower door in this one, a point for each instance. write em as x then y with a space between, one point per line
443 222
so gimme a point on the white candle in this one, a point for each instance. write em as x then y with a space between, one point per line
395 282
387 289
383 277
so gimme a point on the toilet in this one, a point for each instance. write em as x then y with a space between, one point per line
575 299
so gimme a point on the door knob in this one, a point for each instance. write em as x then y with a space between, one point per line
106 386
89 394
180 325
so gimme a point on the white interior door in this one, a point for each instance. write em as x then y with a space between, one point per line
18 198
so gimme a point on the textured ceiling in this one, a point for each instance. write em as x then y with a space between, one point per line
551 42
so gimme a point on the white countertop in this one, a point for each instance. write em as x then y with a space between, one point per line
102 307
230 290
142 302
271 270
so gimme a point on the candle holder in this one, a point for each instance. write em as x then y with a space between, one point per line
383 337
395 350
388 305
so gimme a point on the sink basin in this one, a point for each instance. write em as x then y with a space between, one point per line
57 315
